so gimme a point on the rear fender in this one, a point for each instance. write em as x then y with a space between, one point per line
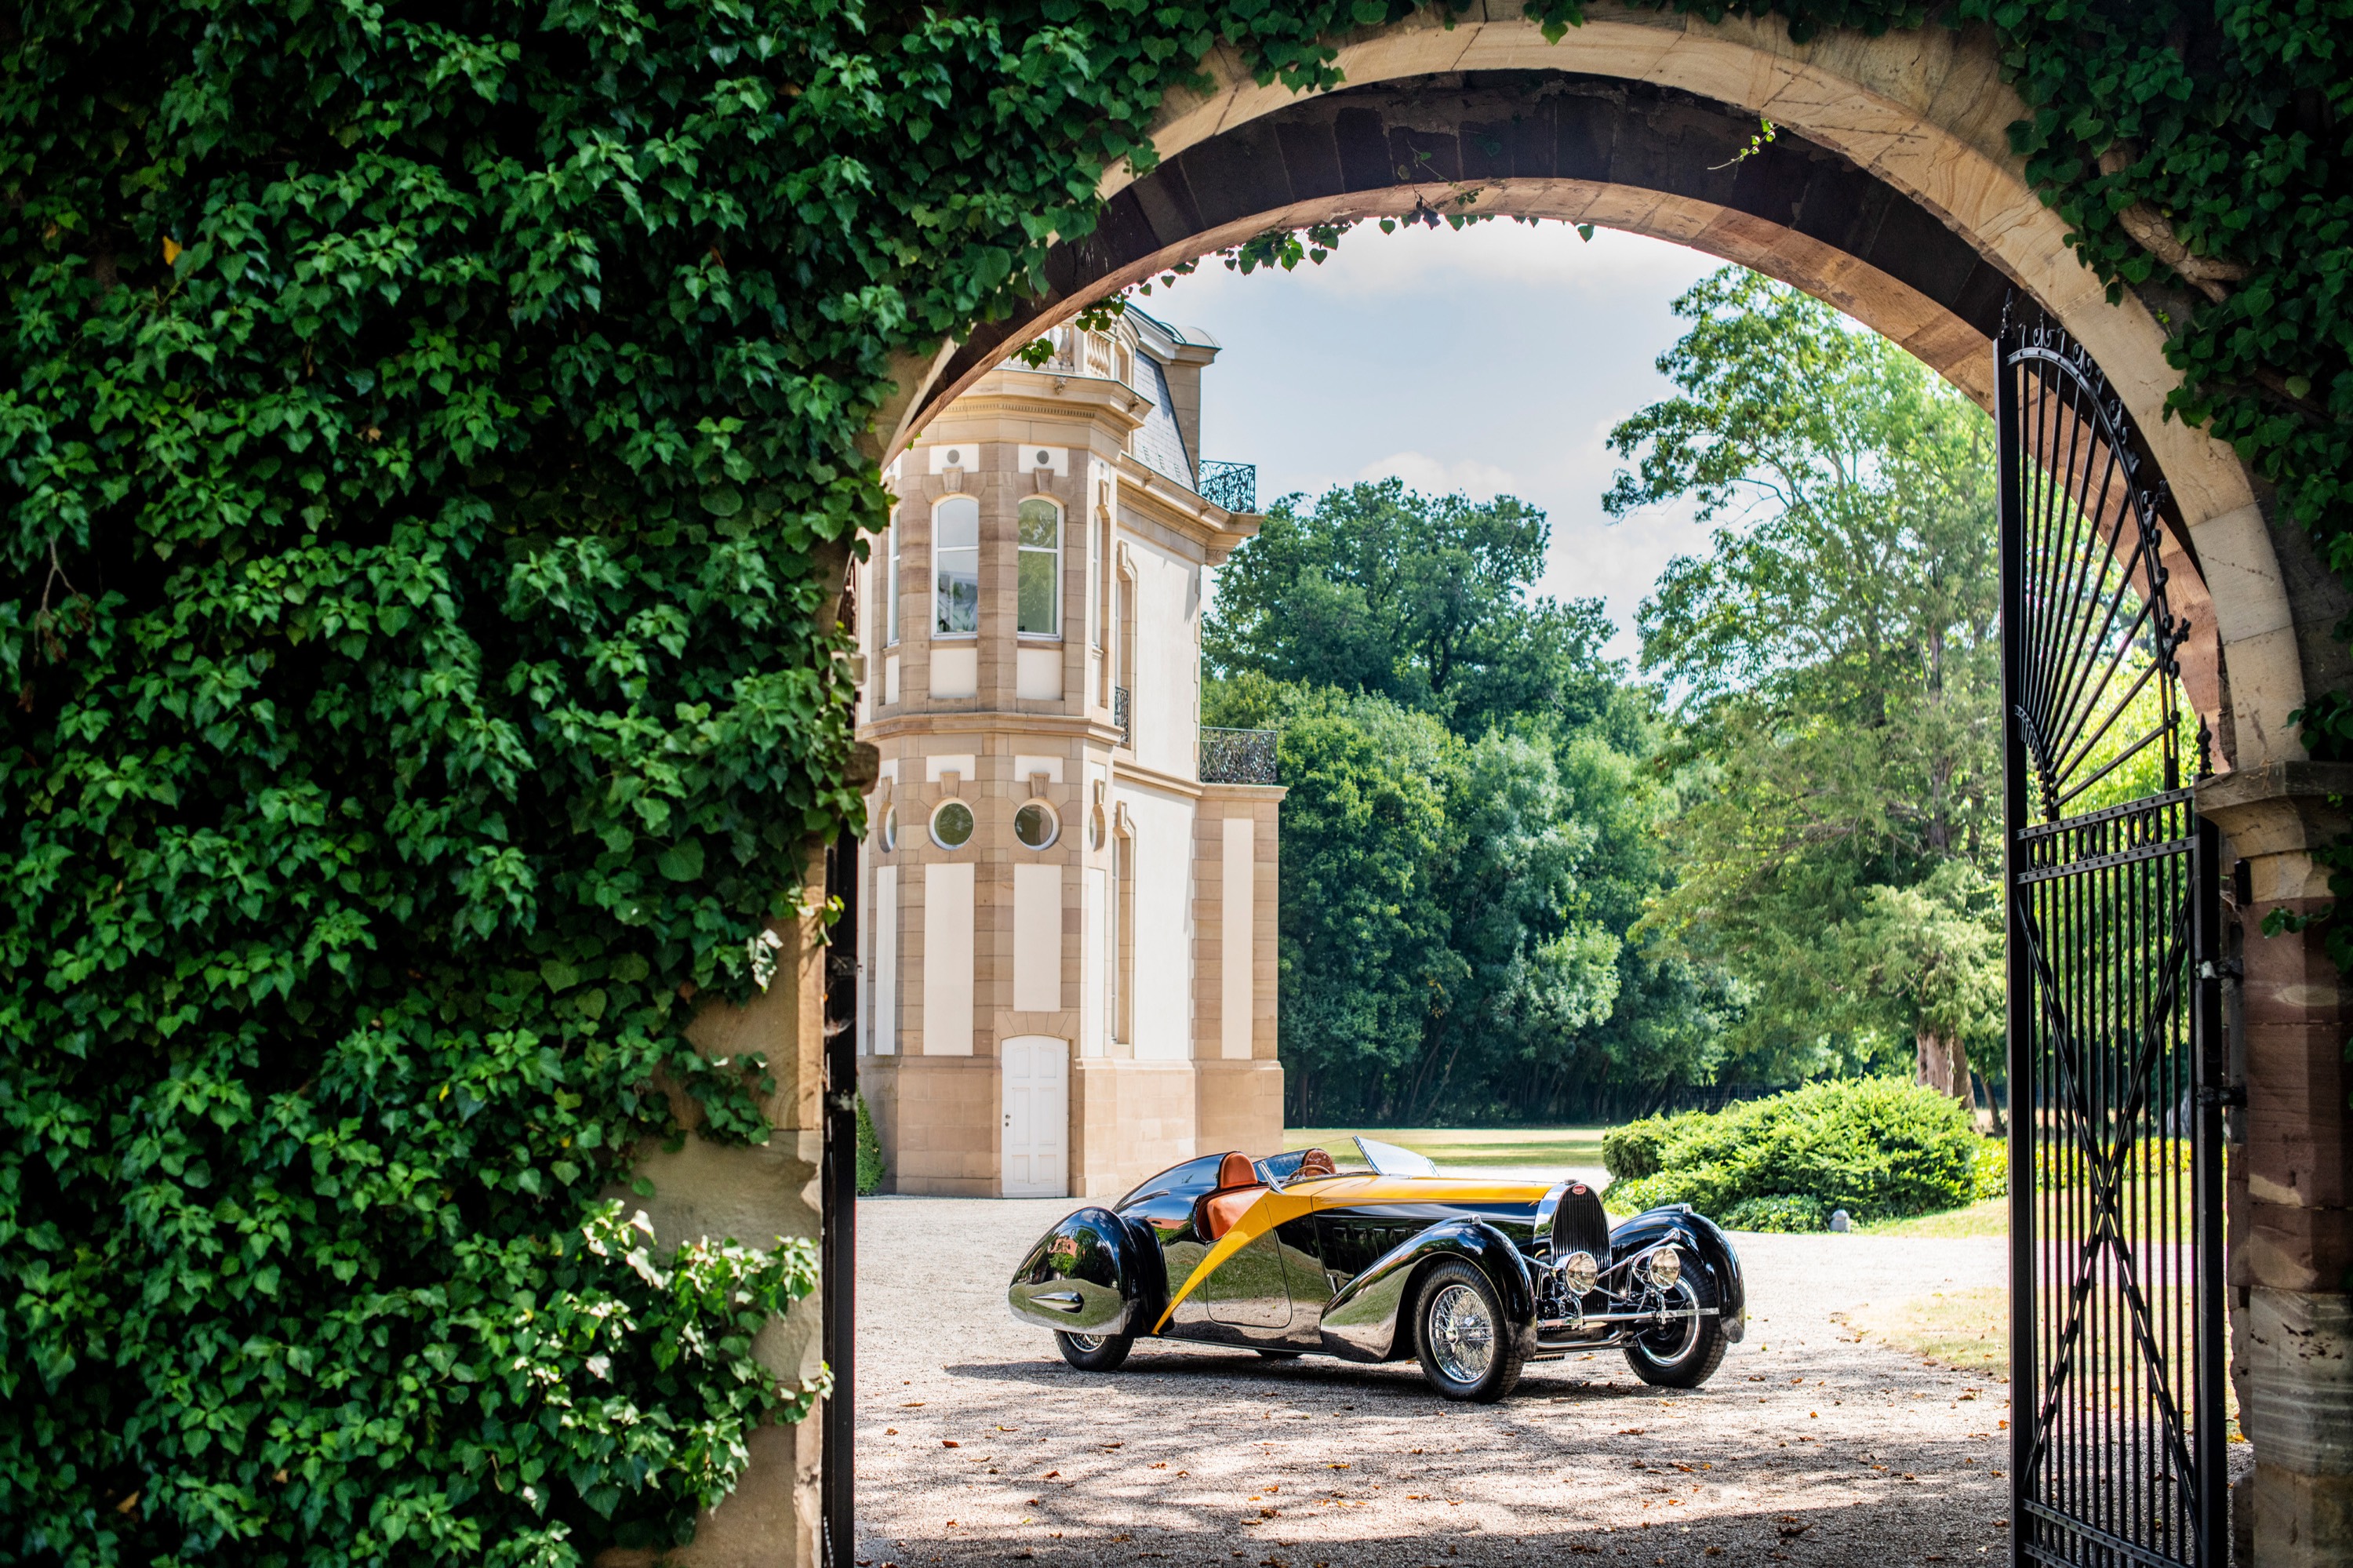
1700 1235
1086 1276
1362 1322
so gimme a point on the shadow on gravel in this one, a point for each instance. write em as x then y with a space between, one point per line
1543 1384
1852 1536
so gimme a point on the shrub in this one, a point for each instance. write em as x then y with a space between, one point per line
1878 1147
870 1169
1635 1148
1782 1212
1990 1175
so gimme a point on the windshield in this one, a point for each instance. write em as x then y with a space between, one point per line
1390 1161
1282 1170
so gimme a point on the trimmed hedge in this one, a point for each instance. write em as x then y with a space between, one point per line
1877 1147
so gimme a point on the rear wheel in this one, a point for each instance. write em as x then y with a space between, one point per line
1467 1347
1685 1353
1095 1353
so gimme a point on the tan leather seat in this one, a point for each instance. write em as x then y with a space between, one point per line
1315 1162
1220 1209
1238 1189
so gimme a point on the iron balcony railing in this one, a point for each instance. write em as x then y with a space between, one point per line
1120 716
1237 756
1232 485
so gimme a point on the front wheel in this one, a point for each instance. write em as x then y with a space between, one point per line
1467 1347
1686 1352
1095 1353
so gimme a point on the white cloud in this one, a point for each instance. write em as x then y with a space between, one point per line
1479 480
1370 264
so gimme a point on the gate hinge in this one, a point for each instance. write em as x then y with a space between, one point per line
2230 1095
2222 968
843 1100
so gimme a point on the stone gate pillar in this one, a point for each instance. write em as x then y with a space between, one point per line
2291 1181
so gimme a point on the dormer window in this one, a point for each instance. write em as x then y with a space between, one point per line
1039 580
956 567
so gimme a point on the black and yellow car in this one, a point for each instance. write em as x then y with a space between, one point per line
1382 1261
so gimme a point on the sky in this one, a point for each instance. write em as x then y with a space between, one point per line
1493 360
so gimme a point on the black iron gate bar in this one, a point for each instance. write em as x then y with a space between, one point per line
2115 1017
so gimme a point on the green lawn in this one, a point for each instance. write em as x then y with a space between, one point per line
1454 1145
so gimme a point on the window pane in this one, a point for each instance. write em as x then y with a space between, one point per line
1041 526
956 567
958 592
890 585
1037 594
955 525
1039 523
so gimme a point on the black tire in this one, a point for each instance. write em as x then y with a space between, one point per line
1469 1350
1686 1352
1095 1353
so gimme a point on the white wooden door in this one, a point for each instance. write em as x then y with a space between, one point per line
1036 1071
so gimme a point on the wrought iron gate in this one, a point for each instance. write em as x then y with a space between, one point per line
2115 1039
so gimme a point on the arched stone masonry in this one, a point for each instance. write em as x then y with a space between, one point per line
1894 195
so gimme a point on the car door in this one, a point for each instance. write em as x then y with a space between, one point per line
1250 1290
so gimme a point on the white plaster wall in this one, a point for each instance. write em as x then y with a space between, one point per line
1163 1016
1165 686
1037 938
883 966
1095 960
947 960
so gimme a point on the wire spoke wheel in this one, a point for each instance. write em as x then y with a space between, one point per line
1462 1333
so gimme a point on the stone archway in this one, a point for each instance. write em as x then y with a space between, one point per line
1892 194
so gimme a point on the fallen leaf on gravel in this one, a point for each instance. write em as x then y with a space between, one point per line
1160 1465
1120 1538
1049 1475
890 1432
1628 1432
912 1404
949 1442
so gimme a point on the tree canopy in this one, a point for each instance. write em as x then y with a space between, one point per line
1838 680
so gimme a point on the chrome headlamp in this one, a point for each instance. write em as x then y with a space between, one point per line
1665 1266
1579 1273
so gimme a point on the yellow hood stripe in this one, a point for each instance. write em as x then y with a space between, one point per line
1274 1208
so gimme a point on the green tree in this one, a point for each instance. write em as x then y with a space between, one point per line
1425 600
1835 660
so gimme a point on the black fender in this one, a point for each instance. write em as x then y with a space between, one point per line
1088 1275
1700 1235
1361 1322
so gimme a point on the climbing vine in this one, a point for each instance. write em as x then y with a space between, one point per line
433 436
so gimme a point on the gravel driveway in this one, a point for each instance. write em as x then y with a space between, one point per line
977 1444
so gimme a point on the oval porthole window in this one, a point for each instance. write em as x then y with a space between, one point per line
952 825
1095 829
889 833
1044 457
956 457
1036 825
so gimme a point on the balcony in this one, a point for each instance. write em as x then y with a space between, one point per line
1232 485
1119 715
1238 755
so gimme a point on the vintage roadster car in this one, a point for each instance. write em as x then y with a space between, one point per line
1294 1254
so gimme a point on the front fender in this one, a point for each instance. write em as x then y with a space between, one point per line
1084 1277
1698 1235
1361 1321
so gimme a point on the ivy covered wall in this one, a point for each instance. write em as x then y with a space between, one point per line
432 435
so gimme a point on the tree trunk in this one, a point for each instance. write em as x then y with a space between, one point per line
1944 1063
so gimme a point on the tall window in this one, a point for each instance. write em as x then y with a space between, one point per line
1040 581
890 586
956 567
